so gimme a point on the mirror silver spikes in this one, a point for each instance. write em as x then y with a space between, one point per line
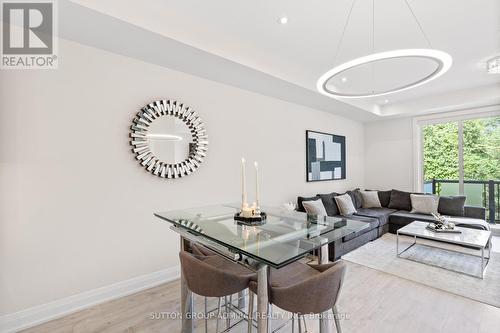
169 139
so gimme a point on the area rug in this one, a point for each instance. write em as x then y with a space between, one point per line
381 255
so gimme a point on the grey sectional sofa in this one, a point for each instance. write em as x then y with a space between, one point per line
394 214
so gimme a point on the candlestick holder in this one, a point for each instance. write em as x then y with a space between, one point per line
255 219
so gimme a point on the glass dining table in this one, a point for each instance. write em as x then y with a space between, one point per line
284 237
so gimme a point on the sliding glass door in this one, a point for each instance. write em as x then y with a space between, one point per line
440 153
463 157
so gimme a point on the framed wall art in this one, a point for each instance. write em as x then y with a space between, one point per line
325 156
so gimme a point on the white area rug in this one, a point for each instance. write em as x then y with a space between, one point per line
381 255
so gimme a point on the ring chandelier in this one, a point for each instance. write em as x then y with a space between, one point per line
442 60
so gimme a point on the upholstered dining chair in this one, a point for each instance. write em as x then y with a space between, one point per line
202 250
211 275
304 289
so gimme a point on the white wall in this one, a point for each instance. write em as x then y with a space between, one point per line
389 154
76 208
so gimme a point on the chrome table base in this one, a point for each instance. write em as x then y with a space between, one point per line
484 260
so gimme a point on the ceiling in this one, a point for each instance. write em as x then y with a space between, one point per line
248 33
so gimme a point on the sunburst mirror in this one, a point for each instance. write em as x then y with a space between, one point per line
168 139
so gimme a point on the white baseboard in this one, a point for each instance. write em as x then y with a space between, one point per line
42 313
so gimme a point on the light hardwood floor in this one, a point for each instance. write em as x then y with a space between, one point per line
373 301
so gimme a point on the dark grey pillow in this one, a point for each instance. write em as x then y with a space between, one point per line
329 203
300 207
452 205
356 197
384 197
400 200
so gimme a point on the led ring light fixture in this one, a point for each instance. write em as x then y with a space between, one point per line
442 59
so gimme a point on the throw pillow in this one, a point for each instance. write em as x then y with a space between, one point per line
345 204
424 204
452 205
384 197
356 197
300 200
370 199
314 207
400 200
329 203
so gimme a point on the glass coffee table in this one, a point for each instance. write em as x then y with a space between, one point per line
471 238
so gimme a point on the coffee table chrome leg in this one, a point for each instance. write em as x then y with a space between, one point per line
489 248
397 243
482 263
398 254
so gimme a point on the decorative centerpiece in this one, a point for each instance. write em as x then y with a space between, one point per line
250 215
442 225
289 206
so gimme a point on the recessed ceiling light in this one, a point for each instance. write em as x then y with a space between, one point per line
386 101
344 79
283 20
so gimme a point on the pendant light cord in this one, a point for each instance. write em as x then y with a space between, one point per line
373 26
373 46
373 34
418 24
343 31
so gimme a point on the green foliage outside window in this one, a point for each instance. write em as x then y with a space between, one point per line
481 150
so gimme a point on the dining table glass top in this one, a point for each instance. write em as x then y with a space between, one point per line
285 236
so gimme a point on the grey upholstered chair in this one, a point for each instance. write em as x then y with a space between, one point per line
201 250
211 275
305 289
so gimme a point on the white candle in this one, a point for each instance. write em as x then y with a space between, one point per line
257 199
243 190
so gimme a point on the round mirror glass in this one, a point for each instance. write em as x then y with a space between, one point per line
170 139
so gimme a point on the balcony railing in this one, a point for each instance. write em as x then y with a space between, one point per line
485 193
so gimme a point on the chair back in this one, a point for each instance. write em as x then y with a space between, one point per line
314 294
213 276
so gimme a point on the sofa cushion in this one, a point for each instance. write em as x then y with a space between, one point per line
370 199
314 207
345 204
353 244
300 207
356 197
384 197
475 212
403 218
424 203
372 224
329 203
400 200
469 222
452 205
382 214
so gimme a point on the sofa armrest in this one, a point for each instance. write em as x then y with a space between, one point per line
475 212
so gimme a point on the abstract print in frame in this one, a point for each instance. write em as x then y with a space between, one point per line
325 156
